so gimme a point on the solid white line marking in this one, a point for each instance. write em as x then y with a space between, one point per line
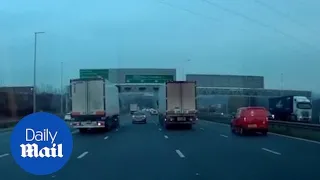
83 154
4 155
160 129
106 137
223 135
276 134
296 138
180 153
74 132
270 151
165 136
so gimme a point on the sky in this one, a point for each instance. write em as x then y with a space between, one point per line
240 37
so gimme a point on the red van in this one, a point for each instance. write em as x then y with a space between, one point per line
250 119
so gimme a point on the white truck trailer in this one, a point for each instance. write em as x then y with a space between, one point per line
95 104
133 108
177 104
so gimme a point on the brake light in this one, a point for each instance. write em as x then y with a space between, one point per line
99 112
75 113
244 119
75 124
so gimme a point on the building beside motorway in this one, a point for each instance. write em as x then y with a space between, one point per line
226 93
18 101
204 80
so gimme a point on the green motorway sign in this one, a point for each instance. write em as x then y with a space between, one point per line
148 78
94 73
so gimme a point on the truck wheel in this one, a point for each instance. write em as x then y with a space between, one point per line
293 118
241 131
232 129
264 133
189 126
166 126
82 130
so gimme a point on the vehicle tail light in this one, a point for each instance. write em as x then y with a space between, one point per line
101 123
75 124
99 112
244 119
75 113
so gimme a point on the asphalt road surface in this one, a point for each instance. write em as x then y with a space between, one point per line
148 152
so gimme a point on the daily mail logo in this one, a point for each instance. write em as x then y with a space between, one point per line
33 150
41 140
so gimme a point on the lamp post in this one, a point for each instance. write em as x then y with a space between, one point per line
183 75
61 81
34 71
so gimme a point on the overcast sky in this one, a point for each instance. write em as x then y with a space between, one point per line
245 37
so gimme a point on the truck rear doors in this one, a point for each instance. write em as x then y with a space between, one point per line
181 97
88 97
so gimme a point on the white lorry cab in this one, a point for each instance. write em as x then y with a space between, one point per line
291 108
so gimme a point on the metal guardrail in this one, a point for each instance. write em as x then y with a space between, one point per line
315 127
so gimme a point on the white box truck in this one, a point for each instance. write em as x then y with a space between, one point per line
177 104
95 104
133 108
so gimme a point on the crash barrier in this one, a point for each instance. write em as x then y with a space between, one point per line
295 129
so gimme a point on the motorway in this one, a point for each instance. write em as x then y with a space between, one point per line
208 152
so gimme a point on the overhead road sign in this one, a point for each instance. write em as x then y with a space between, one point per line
148 78
94 73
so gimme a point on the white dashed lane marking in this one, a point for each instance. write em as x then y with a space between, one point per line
4 155
271 151
83 154
160 129
106 137
223 136
180 153
165 136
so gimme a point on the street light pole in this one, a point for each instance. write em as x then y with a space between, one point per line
61 96
34 71
183 74
281 83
